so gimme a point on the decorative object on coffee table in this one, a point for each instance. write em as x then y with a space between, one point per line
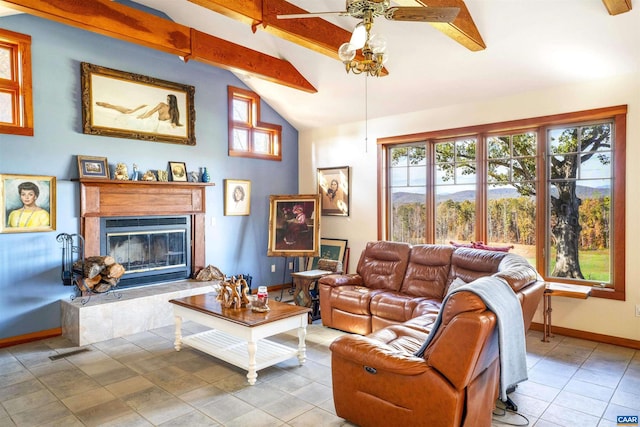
234 293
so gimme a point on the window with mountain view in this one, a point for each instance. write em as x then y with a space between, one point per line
551 191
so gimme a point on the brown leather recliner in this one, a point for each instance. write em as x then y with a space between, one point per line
377 381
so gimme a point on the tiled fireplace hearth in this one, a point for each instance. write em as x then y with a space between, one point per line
105 316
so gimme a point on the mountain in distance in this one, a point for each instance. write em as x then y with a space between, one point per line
402 198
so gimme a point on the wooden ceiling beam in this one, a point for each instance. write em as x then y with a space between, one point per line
462 29
616 7
114 20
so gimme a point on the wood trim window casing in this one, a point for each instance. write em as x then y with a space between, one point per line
539 125
19 86
253 127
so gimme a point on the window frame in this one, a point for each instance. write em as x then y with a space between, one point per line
539 125
253 126
20 85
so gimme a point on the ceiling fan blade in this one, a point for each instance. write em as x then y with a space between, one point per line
310 15
422 14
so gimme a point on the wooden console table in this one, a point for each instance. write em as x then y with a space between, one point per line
553 289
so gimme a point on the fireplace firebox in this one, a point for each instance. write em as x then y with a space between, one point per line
151 249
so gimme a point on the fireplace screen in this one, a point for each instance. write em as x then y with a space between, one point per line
151 250
154 250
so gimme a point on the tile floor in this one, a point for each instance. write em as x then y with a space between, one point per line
139 380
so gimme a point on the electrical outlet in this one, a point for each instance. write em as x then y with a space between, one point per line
291 265
273 268
637 310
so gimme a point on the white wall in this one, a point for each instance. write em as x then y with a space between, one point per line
345 145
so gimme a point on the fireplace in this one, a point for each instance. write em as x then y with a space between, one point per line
156 230
151 249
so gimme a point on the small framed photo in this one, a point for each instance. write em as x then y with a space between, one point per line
93 167
333 187
237 197
28 203
294 225
178 171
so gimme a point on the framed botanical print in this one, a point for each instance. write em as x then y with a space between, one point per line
93 167
237 197
27 203
294 225
333 188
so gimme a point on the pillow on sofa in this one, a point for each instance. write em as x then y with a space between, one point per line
481 245
461 245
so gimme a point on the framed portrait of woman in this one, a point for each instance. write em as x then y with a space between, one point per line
333 188
28 203
237 197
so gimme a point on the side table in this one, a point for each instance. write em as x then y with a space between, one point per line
553 289
302 282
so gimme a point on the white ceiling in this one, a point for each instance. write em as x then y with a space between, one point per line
530 45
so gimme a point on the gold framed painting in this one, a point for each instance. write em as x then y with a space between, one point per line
237 197
93 167
294 225
27 203
333 187
127 105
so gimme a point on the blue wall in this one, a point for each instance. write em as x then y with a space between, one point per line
30 286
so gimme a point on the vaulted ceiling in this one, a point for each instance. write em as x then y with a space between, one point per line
493 48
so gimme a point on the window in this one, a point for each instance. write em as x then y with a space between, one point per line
16 108
551 187
248 136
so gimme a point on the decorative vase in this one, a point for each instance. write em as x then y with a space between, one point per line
205 175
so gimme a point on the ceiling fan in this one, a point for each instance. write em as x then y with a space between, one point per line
374 47
359 9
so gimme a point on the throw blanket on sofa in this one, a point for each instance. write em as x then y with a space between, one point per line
498 296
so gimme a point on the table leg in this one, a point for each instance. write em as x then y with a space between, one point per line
302 349
177 344
546 315
252 374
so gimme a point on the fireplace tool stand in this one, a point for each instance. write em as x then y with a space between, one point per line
72 272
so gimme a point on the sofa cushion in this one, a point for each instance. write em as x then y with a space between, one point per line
427 271
383 264
353 299
394 306
471 264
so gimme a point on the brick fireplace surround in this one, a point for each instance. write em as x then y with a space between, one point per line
105 316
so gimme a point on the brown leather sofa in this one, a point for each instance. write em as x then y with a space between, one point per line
394 299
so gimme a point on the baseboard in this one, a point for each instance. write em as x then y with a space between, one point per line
591 336
34 336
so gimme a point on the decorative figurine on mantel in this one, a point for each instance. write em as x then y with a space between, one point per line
163 175
121 172
149 176
193 176
136 174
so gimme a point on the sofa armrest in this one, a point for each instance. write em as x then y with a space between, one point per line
334 280
375 354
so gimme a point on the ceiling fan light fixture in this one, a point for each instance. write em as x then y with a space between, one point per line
359 36
346 52
378 43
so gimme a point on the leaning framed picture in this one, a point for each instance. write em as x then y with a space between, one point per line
126 105
178 171
333 188
93 167
237 197
294 225
334 249
27 203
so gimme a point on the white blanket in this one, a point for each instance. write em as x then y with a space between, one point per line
498 296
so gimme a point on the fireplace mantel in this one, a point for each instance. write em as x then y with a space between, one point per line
106 198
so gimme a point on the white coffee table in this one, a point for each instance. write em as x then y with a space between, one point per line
237 335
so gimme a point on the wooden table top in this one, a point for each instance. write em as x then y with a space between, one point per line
208 304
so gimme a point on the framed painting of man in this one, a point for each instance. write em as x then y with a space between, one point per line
27 203
294 225
127 105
